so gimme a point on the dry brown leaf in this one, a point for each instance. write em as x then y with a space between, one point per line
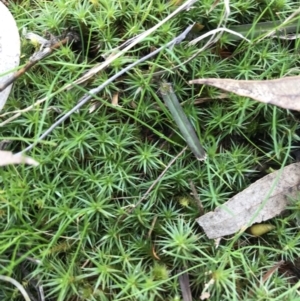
271 271
7 158
283 92
259 202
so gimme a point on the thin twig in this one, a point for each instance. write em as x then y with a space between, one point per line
196 197
122 49
152 226
214 37
42 294
205 294
96 69
92 92
17 285
38 102
214 31
272 32
35 58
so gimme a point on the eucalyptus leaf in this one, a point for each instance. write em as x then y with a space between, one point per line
261 201
283 92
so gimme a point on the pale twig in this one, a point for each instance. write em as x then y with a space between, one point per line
96 69
290 37
38 102
42 294
214 31
272 32
17 285
33 281
94 91
34 59
208 44
19 112
212 34
132 42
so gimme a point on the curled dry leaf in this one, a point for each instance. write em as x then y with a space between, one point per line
283 92
9 49
261 201
7 158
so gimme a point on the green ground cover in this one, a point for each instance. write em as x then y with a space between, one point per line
64 224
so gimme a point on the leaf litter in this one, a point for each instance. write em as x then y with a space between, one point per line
262 200
283 92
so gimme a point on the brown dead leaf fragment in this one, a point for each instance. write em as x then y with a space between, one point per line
283 92
261 201
271 271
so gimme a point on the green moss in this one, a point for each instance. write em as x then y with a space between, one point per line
66 224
